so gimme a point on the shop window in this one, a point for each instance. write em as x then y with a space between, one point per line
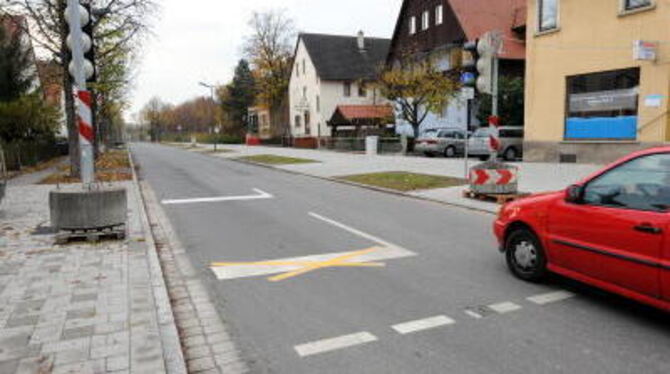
547 15
603 106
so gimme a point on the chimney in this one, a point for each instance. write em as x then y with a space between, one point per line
361 41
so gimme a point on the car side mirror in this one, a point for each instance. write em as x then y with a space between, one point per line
574 194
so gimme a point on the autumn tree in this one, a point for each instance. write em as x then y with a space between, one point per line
238 96
269 49
153 114
24 115
417 88
119 26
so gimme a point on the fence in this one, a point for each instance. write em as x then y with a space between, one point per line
386 145
29 153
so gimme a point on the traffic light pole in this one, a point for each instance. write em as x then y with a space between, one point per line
83 97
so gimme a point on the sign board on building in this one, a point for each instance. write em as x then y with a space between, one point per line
644 50
653 101
602 101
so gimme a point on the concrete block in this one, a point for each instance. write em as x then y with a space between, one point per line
77 208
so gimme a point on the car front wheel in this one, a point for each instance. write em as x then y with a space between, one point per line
525 256
450 152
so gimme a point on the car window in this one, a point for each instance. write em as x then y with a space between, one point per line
444 134
481 133
640 184
430 134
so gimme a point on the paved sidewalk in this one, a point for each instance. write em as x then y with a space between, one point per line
80 308
534 177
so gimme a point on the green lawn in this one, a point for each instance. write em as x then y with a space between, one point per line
404 181
276 160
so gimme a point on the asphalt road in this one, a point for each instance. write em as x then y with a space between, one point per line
441 269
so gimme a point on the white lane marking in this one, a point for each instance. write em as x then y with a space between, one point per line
505 307
253 270
260 195
550 297
473 314
423 324
327 345
352 230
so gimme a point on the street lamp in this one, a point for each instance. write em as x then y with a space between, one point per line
217 128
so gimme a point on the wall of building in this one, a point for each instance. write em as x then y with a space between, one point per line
593 36
330 94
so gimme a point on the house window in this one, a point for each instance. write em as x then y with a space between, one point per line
347 89
412 26
318 103
304 68
439 14
425 20
636 4
297 70
603 106
308 125
362 90
298 121
547 15
304 92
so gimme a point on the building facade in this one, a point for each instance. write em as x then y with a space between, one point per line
437 29
597 78
332 70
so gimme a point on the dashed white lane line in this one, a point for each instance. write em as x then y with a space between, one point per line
505 307
332 344
260 195
550 297
423 324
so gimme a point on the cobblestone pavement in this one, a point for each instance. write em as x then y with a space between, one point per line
79 308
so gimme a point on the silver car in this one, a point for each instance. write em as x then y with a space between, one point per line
448 142
511 139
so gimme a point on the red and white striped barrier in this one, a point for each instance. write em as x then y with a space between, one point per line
498 177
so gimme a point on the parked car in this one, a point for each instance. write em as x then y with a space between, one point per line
449 142
611 230
511 139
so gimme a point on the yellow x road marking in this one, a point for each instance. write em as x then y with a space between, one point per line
308 266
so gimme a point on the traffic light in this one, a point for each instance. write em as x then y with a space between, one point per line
80 41
478 70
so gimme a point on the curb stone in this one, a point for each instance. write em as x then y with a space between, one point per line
205 340
172 353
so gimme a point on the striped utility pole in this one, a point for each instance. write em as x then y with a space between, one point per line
81 69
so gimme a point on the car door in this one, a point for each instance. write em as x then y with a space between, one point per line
665 261
616 233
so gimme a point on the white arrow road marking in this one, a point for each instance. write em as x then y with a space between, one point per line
260 195
384 251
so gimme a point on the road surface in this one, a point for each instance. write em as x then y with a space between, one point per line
319 277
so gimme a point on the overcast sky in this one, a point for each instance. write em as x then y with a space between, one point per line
200 40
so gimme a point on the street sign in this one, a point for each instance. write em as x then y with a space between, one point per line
644 50
468 93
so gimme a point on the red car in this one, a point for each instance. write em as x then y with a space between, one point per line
612 230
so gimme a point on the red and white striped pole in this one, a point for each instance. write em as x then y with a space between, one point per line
86 136
81 69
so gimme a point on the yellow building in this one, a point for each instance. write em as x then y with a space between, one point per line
597 78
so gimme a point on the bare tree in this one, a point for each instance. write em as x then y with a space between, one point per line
118 25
